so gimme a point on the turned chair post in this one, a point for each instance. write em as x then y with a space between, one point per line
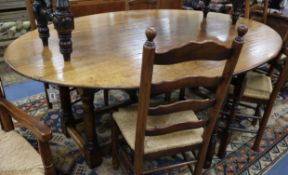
138 124
144 100
47 160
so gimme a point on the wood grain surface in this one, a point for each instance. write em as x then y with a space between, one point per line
107 48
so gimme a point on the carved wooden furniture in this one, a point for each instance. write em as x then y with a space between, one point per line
173 128
255 88
236 12
17 155
94 66
79 8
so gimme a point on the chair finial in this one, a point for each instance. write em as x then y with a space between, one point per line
242 30
150 33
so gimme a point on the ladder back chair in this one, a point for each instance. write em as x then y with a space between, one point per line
256 88
173 128
17 155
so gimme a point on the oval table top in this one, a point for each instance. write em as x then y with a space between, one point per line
107 48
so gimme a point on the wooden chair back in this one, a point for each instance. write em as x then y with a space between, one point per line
257 11
142 4
204 51
89 7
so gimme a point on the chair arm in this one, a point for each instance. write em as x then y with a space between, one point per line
41 131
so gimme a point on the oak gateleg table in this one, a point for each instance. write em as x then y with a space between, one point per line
107 50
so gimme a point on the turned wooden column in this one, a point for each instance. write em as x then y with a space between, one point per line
237 10
42 21
92 151
64 24
66 109
206 7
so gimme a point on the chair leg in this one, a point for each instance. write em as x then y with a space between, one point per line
115 135
132 95
211 149
182 94
202 156
167 96
257 113
224 141
262 125
46 157
226 136
106 97
46 87
238 91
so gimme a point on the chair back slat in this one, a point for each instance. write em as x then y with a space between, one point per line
142 4
175 128
192 104
207 50
168 86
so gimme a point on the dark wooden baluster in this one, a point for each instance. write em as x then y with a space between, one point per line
91 151
66 109
64 24
206 7
237 9
42 22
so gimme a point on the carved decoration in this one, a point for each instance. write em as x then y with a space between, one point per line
237 9
42 22
63 23
206 7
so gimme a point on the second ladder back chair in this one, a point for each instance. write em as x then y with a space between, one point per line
162 130
257 88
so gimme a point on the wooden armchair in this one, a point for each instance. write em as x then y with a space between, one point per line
256 88
17 156
162 130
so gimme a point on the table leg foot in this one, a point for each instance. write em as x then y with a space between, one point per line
93 156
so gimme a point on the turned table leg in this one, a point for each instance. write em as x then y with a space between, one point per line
91 147
66 109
